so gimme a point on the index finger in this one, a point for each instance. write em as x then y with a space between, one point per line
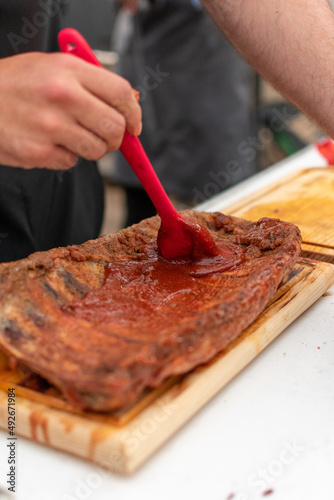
115 91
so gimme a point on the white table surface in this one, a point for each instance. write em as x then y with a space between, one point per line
270 428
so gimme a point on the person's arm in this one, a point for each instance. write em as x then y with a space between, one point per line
291 43
56 107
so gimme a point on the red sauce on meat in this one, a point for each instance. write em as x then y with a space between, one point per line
148 287
189 238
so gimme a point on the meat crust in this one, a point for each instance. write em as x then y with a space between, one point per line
102 364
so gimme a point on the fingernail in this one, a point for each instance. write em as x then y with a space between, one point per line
139 129
136 95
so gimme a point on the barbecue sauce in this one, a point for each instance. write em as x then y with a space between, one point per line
151 285
205 256
188 238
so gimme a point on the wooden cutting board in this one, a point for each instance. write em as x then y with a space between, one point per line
123 440
305 198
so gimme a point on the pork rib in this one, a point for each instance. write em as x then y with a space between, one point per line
52 320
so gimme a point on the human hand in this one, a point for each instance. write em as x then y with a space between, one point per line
56 107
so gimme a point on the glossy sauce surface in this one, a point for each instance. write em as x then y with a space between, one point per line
152 288
186 238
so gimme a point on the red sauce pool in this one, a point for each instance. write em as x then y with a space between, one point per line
152 287
191 239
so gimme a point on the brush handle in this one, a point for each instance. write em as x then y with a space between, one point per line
71 42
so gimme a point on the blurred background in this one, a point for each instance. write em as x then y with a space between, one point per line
108 29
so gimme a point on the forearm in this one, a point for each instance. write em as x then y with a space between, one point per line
290 43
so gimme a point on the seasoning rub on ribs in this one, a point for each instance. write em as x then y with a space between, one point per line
105 320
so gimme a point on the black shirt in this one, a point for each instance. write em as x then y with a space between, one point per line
40 208
29 25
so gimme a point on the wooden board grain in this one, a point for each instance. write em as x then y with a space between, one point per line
317 252
123 441
305 198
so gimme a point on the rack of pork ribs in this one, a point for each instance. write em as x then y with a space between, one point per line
108 319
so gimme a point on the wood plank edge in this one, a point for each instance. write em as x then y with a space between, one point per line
64 431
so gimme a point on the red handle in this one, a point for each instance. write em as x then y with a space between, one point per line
71 42
135 155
